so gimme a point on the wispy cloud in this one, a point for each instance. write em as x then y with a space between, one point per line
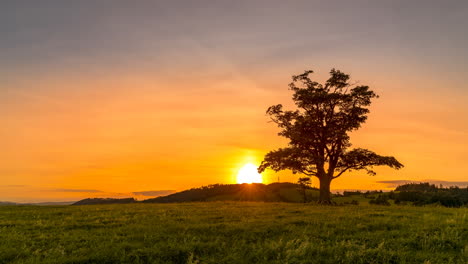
99 193
77 190
395 183
155 193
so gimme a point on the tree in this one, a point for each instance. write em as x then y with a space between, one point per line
318 131
304 184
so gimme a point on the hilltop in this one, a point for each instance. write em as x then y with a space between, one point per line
274 192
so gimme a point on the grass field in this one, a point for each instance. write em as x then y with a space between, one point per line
232 232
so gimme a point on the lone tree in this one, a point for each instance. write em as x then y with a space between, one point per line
318 131
304 184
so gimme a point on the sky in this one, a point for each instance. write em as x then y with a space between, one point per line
141 98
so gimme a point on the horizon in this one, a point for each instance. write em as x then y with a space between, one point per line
117 98
140 196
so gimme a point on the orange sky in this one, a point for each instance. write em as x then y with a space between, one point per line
162 118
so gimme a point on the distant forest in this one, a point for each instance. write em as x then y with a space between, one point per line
425 193
419 194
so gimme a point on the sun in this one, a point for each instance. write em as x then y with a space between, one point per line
248 174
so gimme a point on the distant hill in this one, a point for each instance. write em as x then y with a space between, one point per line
274 192
414 194
7 203
90 201
41 203
53 203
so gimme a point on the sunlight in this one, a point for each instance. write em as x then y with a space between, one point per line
248 174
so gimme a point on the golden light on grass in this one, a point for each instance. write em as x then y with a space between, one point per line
248 174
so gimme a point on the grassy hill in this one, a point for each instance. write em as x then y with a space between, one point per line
255 192
275 192
90 201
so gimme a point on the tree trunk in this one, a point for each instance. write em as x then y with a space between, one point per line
325 196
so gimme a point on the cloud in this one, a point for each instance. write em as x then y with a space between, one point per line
99 193
395 183
77 190
155 193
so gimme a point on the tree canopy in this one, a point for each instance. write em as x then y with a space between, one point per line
318 130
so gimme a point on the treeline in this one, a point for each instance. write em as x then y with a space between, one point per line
425 193
418 194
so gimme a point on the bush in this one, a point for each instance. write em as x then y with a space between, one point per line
380 200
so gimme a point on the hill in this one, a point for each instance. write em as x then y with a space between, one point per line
41 203
414 194
255 192
7 203
90 201
52 203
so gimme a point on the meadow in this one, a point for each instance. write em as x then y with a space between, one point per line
233 232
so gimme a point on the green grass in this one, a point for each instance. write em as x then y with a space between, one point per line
347 199
232 232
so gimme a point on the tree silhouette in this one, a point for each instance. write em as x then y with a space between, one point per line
304 184
318 131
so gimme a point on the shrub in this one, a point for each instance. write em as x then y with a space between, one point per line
380 200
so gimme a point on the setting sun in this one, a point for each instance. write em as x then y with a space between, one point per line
248 174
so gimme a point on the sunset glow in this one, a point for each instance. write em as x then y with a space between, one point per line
248 174
124 97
